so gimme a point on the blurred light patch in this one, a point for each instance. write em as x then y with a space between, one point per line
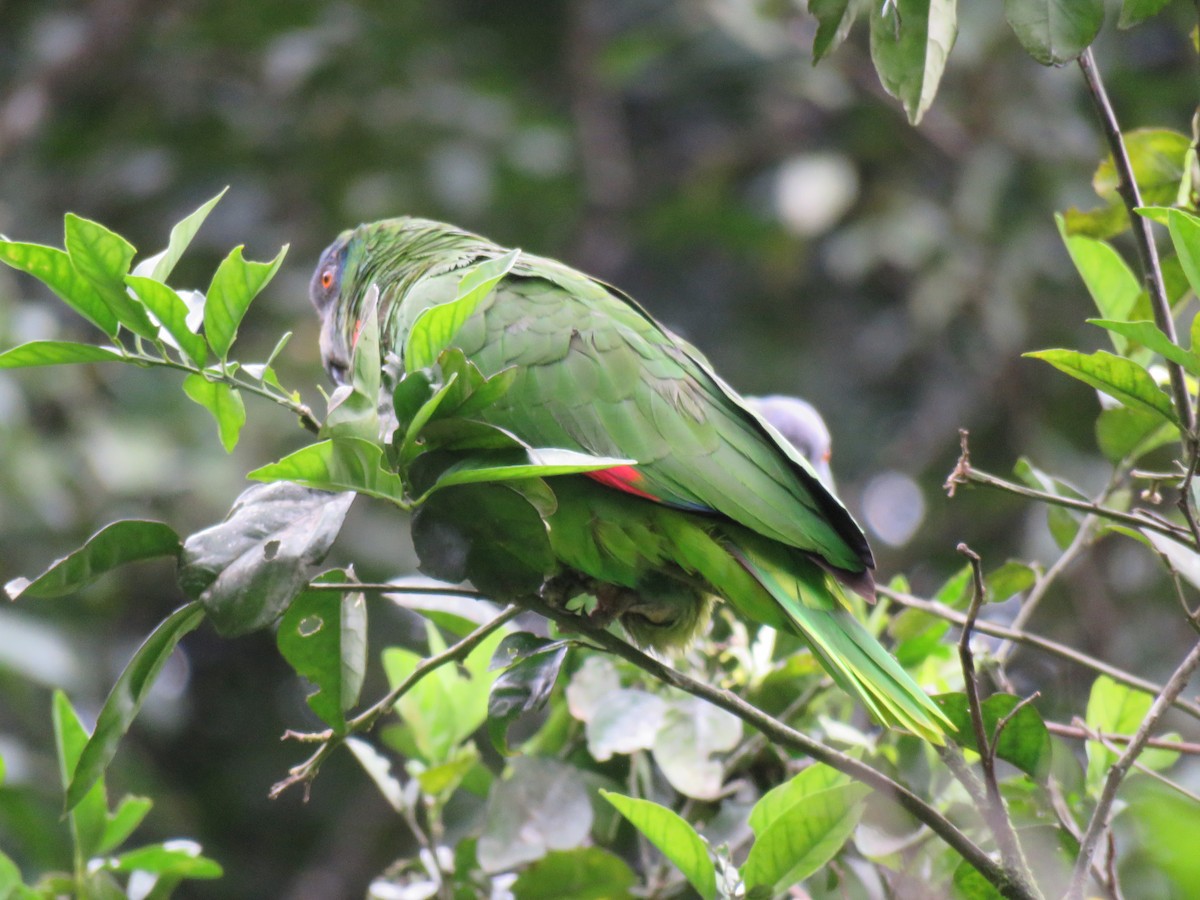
541 151
813 191
38 652
460 175
893 507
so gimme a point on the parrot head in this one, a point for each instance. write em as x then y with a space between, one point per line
324 290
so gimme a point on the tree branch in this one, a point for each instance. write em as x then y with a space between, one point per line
1005 881
1099 821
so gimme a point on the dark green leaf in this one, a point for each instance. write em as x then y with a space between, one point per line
488 533
129 540
323 636
90 815
1148 335
168 307
587 873
236 283
55 353
910 40
803 837
834 19
248 569
1054 31
518 646
103 257
340 464
673 836
168 859
181 236
53 268
1024 742
224 402
1116 376
126 696
412 391
436 327
525 686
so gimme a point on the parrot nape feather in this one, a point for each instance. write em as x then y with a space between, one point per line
719 503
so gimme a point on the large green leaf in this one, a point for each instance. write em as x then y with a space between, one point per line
88 817
248 568
1149 335
129 540
910 41
223 401
168 307
126 696
339 464
53 268
235 284
1185 235
673 836
103 257
1055 31
436 327
1123 432
323 636
55 353
1024 742
1116 376
804 837
778 800
181 235
1115 708
1110 281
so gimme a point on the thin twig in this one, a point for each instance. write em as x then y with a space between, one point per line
994 811
1099 820
1082 733
307 770
1033 640
779 733
1143 237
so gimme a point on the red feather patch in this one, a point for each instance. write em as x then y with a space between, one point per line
623 478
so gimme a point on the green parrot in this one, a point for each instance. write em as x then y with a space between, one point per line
717 505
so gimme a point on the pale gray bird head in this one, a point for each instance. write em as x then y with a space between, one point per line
799 422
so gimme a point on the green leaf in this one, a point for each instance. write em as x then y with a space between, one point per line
1125 432
323 636
673 836
236 283
339 464
10 879
1113 708
436 327
55 353
129 540
1116 376
247 569
804 837
103 257
969 884
180 859
126 696
90 815
1055 31
910 41
168 307
778 800
181 237
510 465
53 268
488 533
1156 156
834 20
1008 579
587 873
123 821
1110 281
1148 335
532 667
1185 235
1024 742
224 402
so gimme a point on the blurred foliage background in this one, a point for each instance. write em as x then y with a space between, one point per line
784 218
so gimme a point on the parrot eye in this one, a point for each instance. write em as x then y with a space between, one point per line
327 279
